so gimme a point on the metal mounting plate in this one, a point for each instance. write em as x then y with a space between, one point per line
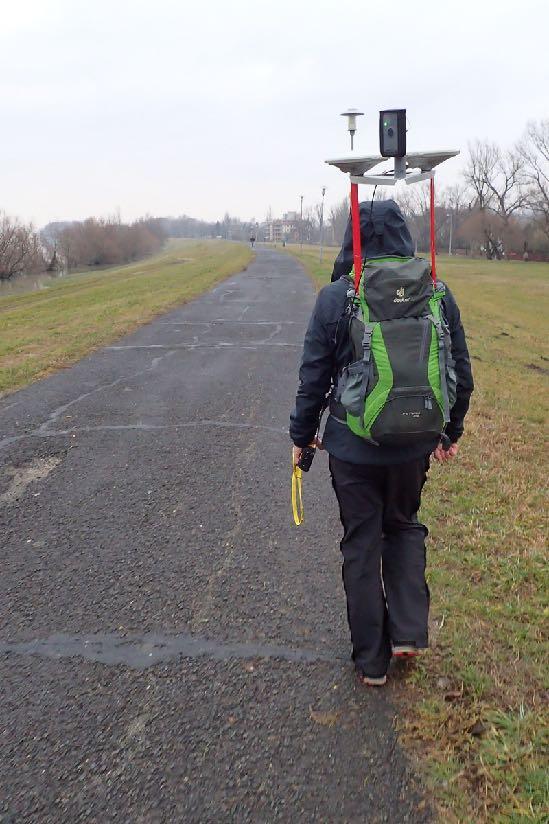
357 165
425 161
391 180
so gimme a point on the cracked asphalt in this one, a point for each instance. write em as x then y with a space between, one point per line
172 647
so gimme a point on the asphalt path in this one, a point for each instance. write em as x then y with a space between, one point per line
172 647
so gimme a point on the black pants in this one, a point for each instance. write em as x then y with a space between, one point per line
383 550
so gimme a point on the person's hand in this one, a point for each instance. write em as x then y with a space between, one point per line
297 450
442 455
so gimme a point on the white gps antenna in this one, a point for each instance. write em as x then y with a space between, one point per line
351 115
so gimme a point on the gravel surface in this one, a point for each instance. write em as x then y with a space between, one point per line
172 647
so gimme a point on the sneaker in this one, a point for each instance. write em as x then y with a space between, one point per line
372 680
405 650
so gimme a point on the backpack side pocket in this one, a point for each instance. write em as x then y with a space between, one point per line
354 383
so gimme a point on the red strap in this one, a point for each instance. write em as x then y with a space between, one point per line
355 220
433 249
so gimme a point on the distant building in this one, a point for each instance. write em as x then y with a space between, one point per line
286 228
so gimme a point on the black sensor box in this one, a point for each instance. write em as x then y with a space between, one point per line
392 133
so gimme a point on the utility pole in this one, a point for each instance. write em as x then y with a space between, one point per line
322 223
301 225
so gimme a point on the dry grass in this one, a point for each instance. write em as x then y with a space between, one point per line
475 708
43 331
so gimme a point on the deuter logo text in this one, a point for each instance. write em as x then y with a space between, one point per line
400 296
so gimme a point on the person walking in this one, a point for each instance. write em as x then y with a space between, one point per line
378 480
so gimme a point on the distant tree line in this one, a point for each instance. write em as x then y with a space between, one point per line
101 241
500 207
230 228
67 245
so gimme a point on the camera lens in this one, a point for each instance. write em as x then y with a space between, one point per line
390 131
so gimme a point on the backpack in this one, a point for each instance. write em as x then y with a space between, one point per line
401 384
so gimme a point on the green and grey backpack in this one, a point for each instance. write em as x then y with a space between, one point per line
401 384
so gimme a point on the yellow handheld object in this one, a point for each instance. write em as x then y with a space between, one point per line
297 500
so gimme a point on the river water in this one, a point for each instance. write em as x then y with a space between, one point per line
29 283
34 283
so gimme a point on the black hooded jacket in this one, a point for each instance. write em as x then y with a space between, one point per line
327 348
383 233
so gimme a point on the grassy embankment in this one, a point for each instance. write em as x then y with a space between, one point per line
474 706
50 329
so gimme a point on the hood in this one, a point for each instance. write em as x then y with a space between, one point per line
383 232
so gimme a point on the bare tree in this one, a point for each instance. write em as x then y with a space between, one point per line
317 213
20 249
311 224
455 197
339 215
454 201
498 181
101 242
481 168
534 150
509 194
382 193
415 205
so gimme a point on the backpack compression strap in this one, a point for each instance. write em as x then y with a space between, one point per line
367 342
442 367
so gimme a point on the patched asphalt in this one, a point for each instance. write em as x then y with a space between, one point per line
172 647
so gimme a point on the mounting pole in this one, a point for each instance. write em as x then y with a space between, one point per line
322 224
433 241
355 220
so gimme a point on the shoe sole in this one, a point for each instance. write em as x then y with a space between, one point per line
372 682
405 653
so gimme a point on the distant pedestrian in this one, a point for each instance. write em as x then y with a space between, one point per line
252 241
392 364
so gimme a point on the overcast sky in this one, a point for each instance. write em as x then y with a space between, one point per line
172 106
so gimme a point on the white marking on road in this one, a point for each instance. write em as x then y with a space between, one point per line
10 406
151 427
229 320
276 331
138 427
140 652
55 415
220 344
